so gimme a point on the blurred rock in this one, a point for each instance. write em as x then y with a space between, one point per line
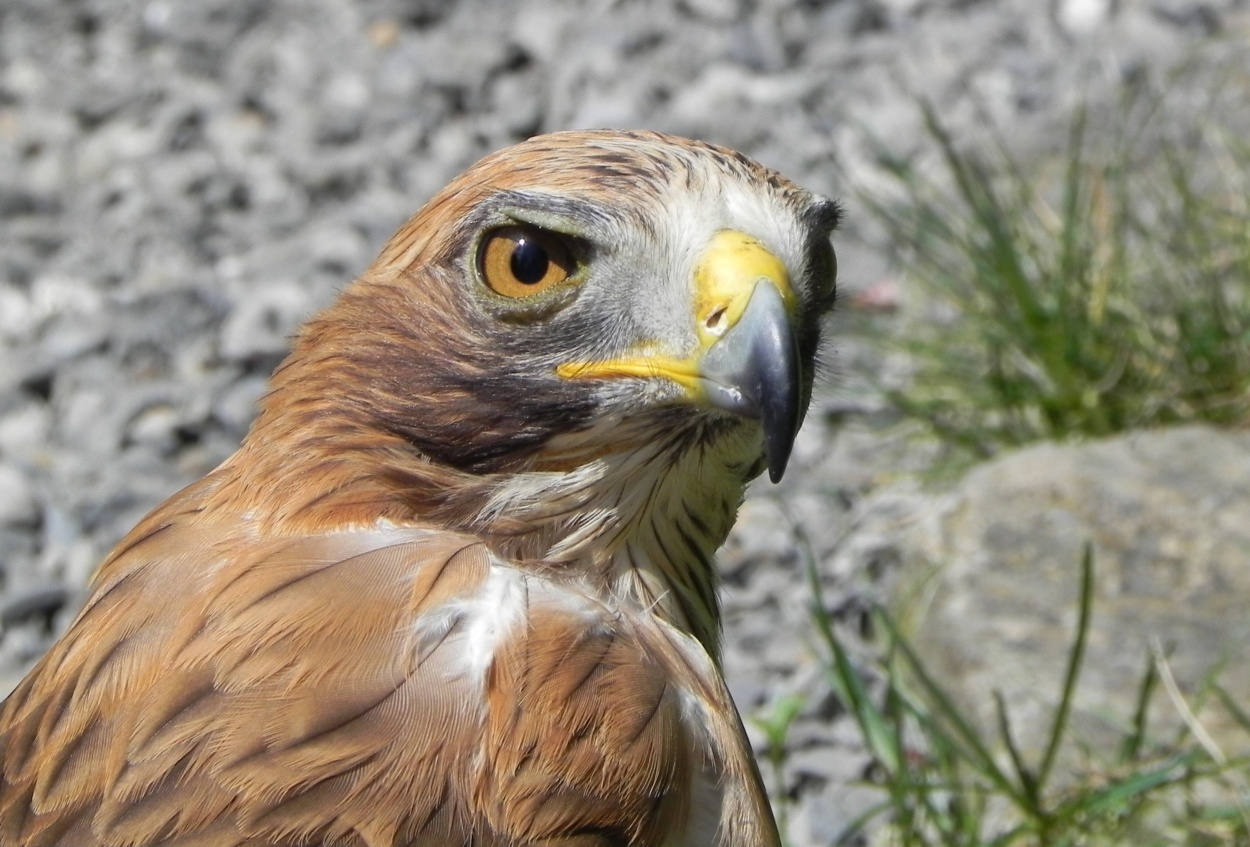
17 501
40 603
262 320
1079 17
991 573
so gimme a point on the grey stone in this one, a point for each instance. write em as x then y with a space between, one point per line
832 811
237 405
1080 17
17 500
262 321
992 575
40 603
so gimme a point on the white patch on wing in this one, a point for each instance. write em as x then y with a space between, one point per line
467 633
694 709
491 615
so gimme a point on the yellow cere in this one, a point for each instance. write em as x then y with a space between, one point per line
725 278
728 271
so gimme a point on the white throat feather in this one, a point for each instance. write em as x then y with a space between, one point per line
639 521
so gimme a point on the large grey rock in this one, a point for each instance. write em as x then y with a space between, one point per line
991 570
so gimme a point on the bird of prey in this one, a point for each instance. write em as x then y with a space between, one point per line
456 587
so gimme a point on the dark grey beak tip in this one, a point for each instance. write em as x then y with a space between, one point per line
758 368
777 459
779 408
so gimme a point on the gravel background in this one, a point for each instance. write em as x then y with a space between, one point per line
181 182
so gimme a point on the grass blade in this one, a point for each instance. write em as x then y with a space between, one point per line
1076 657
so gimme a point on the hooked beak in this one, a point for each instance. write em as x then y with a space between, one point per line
747 362
754 371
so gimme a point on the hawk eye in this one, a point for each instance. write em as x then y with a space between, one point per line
520 261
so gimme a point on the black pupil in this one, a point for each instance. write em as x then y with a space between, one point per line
529 262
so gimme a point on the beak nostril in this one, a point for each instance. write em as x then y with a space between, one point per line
715 321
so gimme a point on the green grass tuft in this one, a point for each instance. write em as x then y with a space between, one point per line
944 783
1108 292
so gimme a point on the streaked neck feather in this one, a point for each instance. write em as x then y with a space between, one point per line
639 523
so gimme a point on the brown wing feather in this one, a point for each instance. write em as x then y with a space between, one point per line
229 690
243 690
605 728
584 732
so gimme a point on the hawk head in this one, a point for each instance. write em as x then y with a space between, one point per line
582 336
